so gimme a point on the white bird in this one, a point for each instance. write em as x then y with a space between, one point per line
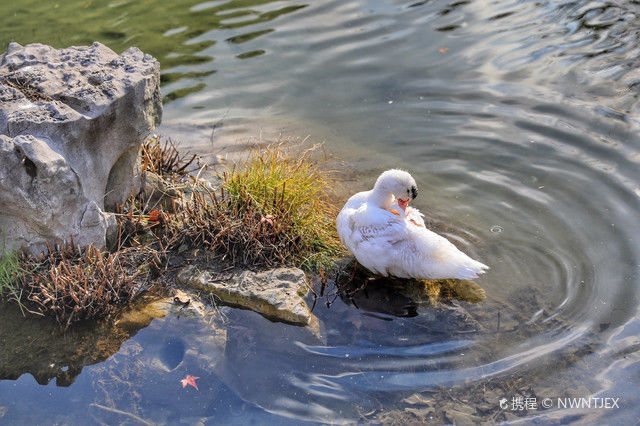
389 238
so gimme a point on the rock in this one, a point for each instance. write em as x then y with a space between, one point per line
156 191
71 124
181 298
276 294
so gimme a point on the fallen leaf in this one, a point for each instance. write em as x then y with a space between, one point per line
181 297
190 380
154 215
444 50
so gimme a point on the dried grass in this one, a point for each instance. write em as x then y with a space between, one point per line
164 159
272 209
72 285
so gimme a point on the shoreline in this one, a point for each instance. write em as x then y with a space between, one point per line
174 199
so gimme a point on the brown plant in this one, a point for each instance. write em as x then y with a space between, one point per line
164 159
71 284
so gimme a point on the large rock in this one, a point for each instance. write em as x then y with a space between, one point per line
275 294
72 122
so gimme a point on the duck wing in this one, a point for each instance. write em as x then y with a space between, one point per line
400 245
378 238
436 257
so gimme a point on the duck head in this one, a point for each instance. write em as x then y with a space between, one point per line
396 184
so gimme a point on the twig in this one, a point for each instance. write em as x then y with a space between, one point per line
123 413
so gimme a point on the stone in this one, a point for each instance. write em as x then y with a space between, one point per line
156 191
275 294
71 125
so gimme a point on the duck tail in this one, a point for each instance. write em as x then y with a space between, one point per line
472 269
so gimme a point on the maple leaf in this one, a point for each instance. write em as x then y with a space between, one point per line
190 380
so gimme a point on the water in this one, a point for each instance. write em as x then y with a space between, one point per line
519 121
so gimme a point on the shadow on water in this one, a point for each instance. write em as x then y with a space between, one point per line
400 297
38 346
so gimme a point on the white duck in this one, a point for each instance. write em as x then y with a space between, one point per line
389 238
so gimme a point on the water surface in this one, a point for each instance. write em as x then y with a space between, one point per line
518 119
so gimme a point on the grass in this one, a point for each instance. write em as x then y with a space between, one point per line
272 209
294 190
10 272
164 159
73 284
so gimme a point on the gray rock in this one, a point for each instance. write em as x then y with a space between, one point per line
73 120
276 294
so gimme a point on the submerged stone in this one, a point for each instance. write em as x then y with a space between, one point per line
275 294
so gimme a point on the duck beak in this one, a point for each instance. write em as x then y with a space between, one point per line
403 204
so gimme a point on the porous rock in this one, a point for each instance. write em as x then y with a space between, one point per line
71 124
276 294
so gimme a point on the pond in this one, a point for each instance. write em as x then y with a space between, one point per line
519 121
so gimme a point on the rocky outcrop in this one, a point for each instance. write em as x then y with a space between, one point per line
276 294
71 124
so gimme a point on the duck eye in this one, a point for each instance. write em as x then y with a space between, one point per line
408 191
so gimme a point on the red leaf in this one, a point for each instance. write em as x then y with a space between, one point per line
190 380
154 215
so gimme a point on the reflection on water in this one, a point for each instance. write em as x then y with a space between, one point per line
399 297
519 121
178 33
39 347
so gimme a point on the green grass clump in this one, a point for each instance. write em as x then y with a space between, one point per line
10 273
272 209
293 190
